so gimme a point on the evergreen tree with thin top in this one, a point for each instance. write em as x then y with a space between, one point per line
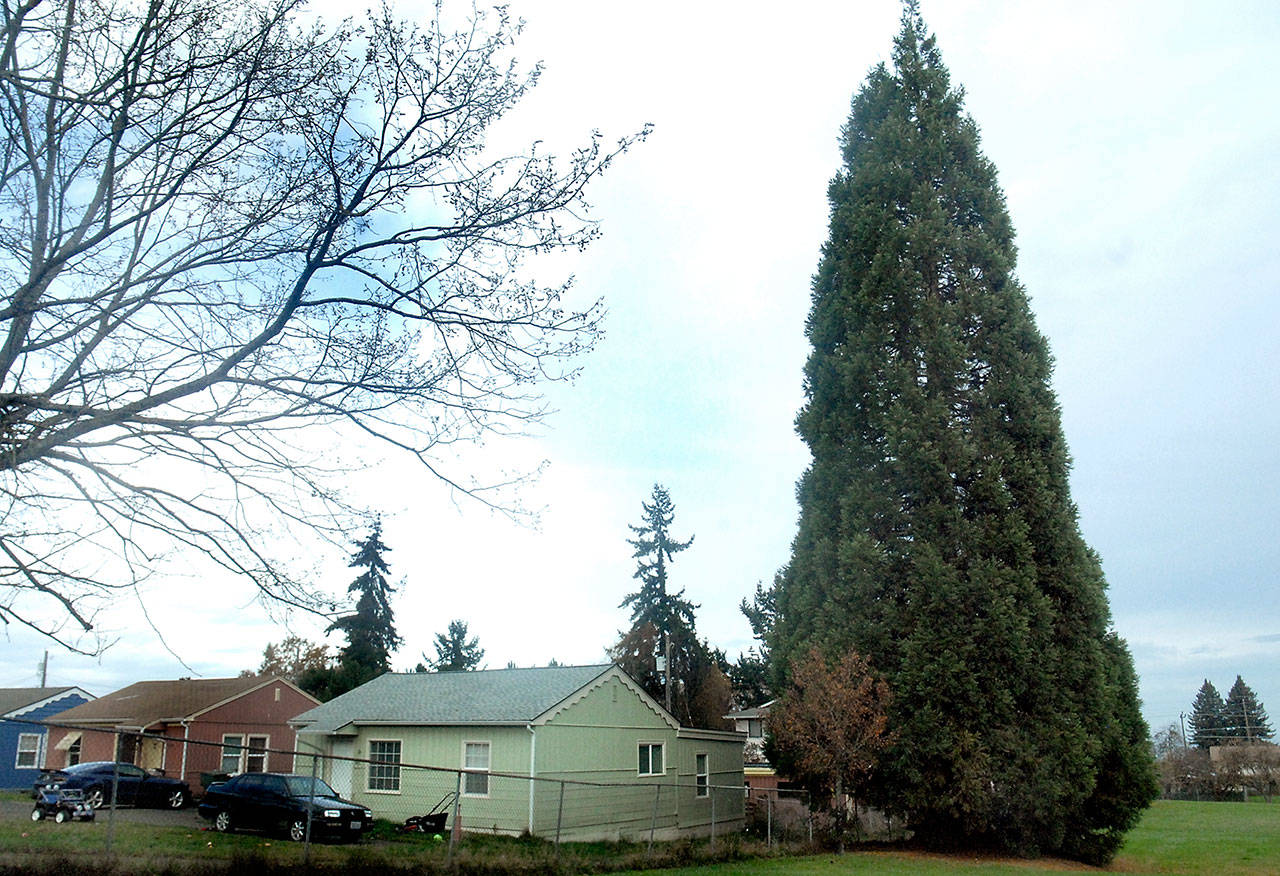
370 629
937 534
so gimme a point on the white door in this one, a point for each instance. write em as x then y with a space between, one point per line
340 770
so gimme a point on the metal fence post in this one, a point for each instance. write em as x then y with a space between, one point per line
306 843
713 816
454 830
768 799
559 816
115 789
653 825
809 806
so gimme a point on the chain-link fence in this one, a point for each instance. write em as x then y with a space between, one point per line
779 815
701 802
553 807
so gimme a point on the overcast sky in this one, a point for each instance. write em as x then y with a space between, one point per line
1137 144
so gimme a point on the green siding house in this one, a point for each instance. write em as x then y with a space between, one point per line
576 752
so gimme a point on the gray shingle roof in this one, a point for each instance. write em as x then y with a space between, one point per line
13 698
491 696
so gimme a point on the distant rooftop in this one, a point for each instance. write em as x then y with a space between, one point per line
145 702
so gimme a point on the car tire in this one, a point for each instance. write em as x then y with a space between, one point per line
62 816
298 829
95 797
222 821
176 799
36 814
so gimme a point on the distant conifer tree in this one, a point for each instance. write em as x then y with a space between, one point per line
1207 717
370 630
1243 717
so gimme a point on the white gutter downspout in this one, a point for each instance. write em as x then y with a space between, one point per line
186 732
533 750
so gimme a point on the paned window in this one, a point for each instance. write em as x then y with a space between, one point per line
475 757
73 753
255 759
231 747
384 776
28 750
701 774
650 759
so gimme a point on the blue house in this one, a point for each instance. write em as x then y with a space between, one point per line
22 743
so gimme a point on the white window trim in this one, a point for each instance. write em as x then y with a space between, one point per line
702 791
488 785
399 770
242 756
38 752
222 754
266 752
658 744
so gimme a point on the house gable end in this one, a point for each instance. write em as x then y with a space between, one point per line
43 704
621 692
298 700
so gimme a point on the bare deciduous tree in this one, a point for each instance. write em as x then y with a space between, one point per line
220 226
831 724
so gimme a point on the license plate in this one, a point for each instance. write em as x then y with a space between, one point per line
355 825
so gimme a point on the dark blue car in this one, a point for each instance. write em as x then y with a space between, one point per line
284 803
134 785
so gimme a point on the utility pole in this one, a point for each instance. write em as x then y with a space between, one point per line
1182 719
666 659
44 670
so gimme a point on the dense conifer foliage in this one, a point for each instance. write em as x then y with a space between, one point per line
370 629
1244 717
1207 717
937 534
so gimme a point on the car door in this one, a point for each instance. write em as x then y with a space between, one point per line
129 783
244 802
277 807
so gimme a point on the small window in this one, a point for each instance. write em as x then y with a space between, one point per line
650 759
73 753
28 750
701 774
255 759
231 748
475 760
384 773
755 728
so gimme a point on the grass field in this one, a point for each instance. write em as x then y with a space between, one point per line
1197 839
1175 837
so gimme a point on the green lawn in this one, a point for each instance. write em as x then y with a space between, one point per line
1197 839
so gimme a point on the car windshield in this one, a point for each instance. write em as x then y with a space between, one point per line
90 767
305 786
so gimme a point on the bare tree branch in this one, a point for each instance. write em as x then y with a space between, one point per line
220 227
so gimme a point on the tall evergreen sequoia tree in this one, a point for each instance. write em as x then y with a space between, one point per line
937 535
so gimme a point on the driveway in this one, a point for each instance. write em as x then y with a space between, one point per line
21 809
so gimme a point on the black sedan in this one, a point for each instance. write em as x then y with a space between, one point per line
277 802
134 785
